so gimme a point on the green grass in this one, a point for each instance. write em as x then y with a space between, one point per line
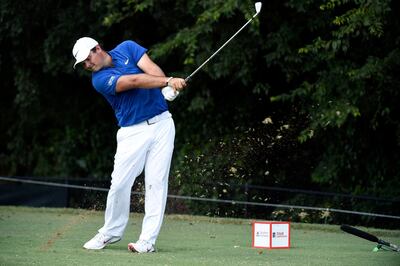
43 236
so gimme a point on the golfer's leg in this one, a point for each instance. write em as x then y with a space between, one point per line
156 179
128 164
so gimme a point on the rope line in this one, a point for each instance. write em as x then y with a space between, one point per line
249 186
233 202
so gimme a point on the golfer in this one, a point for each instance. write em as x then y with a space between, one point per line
130 81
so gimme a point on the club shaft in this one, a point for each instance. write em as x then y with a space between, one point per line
216 52
367 236
359 233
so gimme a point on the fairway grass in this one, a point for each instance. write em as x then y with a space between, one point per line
48 236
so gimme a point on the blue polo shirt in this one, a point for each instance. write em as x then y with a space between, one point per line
135 105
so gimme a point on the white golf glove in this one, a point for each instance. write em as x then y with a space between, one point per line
169 93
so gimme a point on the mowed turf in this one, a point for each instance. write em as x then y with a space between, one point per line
43 236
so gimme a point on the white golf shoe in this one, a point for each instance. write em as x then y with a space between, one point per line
99 241
141 246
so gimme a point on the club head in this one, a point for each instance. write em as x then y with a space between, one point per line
258 6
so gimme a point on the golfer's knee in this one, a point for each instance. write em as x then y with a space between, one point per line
119 187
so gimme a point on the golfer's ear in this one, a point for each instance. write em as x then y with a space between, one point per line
97 48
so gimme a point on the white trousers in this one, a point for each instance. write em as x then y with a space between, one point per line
149 146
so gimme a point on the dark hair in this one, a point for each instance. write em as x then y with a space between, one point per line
93 49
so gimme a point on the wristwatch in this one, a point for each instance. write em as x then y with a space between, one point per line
168 80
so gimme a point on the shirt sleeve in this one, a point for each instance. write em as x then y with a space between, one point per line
135 50
105 82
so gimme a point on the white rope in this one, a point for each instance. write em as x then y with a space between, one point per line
233 202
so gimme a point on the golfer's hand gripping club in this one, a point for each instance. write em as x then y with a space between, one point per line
171 91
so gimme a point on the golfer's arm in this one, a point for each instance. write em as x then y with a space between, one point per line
152 77
143 81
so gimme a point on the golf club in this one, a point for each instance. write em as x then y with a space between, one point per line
169 92
368 236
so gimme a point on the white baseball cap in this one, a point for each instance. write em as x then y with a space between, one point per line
82 49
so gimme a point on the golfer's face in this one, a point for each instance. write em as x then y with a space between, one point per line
93 62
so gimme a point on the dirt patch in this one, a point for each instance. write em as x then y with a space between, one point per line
74 220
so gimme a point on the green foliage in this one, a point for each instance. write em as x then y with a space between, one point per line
42 137
346 90
342 76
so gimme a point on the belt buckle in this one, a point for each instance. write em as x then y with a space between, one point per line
152 120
